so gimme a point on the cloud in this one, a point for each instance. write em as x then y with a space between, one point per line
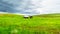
35 6
50 6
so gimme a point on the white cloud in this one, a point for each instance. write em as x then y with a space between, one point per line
39 6
49 6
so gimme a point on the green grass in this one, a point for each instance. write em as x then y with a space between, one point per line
39 24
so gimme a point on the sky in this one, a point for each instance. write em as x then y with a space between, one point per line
30 6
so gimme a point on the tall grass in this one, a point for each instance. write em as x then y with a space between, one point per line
16 24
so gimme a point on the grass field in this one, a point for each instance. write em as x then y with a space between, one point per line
39 24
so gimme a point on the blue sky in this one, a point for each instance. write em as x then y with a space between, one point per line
30 6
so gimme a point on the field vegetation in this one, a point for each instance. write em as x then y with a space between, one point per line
39 24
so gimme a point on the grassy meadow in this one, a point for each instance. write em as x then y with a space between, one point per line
39 24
